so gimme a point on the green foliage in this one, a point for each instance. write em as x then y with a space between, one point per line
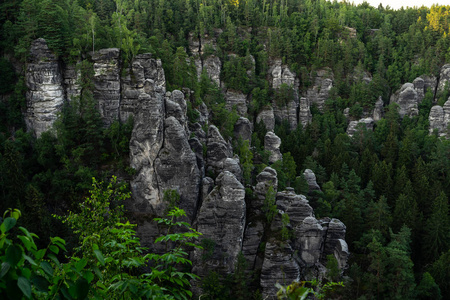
172 198
301 290
285 234
107 261
269 205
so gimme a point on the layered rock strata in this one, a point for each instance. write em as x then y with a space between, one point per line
45 95
318 93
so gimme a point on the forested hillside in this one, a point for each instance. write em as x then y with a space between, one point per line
231 106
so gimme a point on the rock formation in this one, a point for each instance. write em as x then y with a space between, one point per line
243 129
281 74
323 82
304 113
310 236
378 110
217 150
439 118
107 83
267 117
236 99
143 73
272 143
213 67
221 219
45 95
288 113
310 178
354 125
176 167
444 78
407 99
279 267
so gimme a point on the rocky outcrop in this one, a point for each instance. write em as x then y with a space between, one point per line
272 143
232 165
145 145
296 206
436 119
378 110
221 219
279 267
267 117
243 130
304 112
45 95
355 125
444 78
288 113
213 66
407 99
310 178
335 241
71 81
439 119
144 72
281 74
107 83
176 167
217 150
236 99
323 82
310 236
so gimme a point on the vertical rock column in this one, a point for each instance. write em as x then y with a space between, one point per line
145 145
107 83
45 96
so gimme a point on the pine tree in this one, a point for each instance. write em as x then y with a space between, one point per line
437 229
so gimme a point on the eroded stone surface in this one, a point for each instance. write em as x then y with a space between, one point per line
272 143
279 266
217 149
309 240
356 125
176 167
378 110
304 113
267 117
236 100
310 178
107 83
318 93
45 95
221 219
407 100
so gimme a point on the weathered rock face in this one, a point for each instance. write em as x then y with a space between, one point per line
145 145
407 100
279 267
310 178
243 129
288 113
444 78
355 125
281 74
304 112
267 117
436 119
143 73
236 99
272 143
221 219
217 149
335 241
419 86
266 179
213 67
378 110
296 206
71 81
310 236
323 82
107 83
176 167
440 118
430 83
232 165
45 96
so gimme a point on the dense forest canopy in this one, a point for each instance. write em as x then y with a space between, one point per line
390 186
